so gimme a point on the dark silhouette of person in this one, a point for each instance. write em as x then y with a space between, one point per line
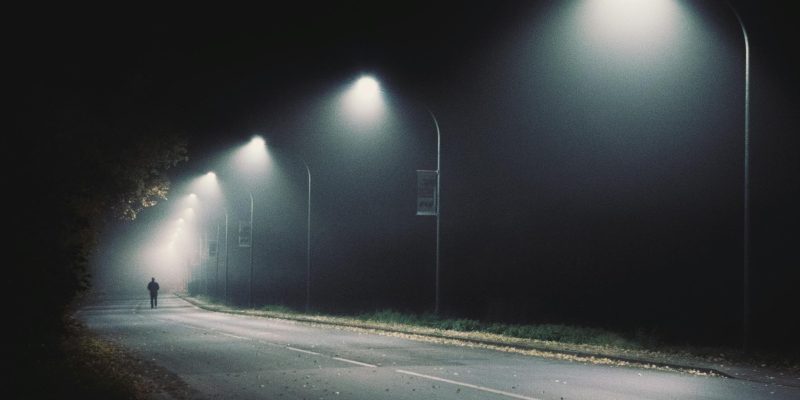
153 288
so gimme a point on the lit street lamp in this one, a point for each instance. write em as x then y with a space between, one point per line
212 186
253 157
365 100
308 237
643 15
206 188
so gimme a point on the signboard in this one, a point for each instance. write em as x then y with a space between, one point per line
212 248
426 192
245 234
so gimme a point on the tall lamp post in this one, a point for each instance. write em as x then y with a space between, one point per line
212 177
746 179
365 98
308 241
438 202
252 157
746 226
308 237
250 290
226 257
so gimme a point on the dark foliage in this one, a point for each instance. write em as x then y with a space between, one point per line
90 147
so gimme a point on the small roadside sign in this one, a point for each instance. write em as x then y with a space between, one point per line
426 192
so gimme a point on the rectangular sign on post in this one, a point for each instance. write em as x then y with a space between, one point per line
426 192
212 248
245 234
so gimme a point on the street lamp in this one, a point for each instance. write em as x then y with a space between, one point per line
308 241
308 238
211 186
188 224
746 227
208 188
365 100
252 157
652 15
250 285
177 235
225 295
189 214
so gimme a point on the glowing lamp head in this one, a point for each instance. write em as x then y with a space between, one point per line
633 26
366 87
364 100
253 156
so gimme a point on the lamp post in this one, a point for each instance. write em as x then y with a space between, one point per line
208 186
308 241
308 237
746 217
250 291
438 203
746 312
226 257
365 98
253 158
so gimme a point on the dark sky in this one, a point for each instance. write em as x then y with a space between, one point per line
209 65
578 185
213 62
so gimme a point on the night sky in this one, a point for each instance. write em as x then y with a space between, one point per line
581 183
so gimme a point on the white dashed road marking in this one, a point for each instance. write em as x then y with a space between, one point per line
471 386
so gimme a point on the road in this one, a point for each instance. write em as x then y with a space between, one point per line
223 356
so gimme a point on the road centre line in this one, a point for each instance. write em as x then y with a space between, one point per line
208 330
233 336
314 353
355 362
471 386
303 351
335 358
216 331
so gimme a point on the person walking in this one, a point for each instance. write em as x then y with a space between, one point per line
153 288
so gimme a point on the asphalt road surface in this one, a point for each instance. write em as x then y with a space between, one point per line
223 356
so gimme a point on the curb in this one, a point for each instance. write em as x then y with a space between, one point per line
628 360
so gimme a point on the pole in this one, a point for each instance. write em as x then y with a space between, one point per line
204 265
198 272
226 256
250 293
438 204
308 241
187 276
746 227
216 273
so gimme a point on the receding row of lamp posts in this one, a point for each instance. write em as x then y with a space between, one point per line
366 84
365 89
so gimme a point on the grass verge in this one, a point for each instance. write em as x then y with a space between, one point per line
550 340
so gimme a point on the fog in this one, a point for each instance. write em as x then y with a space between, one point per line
591 174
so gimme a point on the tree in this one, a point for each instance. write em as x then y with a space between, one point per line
93 143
